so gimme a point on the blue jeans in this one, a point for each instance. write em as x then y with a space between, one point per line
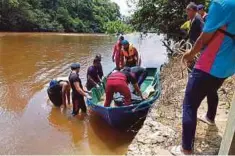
200 85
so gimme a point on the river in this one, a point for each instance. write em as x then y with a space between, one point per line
29 123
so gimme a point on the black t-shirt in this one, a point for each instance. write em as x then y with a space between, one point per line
73 77
196 28
138 71
129 77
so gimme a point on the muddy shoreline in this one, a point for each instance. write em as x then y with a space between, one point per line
162 127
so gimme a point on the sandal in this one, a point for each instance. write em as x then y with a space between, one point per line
177 150
206 120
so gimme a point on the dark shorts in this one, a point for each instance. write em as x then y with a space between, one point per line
78 103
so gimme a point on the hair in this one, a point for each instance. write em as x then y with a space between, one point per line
96 61
98 57
200 7
192 6
75 66
121 38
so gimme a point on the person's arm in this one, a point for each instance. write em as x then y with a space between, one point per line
203 40
89 78
136 55
133 81
64 95
137 89
114 53
79 89
68 93
101 73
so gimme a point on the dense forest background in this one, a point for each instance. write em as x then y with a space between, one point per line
94 16
61 16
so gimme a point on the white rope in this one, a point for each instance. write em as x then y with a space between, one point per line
180 48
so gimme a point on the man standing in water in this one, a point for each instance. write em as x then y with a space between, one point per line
78 93
130 53
117 54
58 91
99 66
93 77
216 63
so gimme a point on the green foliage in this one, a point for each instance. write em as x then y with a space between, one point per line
161 16
57 15
117 27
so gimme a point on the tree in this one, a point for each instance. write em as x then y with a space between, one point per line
161 16
117 27
57 15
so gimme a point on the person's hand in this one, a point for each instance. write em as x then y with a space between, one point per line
143 97
63 106
113 59
88 96
89 92
187 58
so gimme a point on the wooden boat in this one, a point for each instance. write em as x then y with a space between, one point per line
122 116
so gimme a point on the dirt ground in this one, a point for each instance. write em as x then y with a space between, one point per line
164 119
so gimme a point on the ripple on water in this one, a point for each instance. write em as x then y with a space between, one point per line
31 125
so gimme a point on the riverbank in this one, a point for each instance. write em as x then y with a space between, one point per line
162 127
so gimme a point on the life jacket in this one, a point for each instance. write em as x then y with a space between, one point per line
55 94
130 55
117 76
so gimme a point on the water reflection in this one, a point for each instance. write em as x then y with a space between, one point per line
27 62
103 138
62 121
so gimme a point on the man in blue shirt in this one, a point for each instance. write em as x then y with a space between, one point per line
216 63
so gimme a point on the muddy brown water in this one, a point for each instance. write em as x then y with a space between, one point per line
29 124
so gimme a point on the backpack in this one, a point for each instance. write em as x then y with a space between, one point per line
54 92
